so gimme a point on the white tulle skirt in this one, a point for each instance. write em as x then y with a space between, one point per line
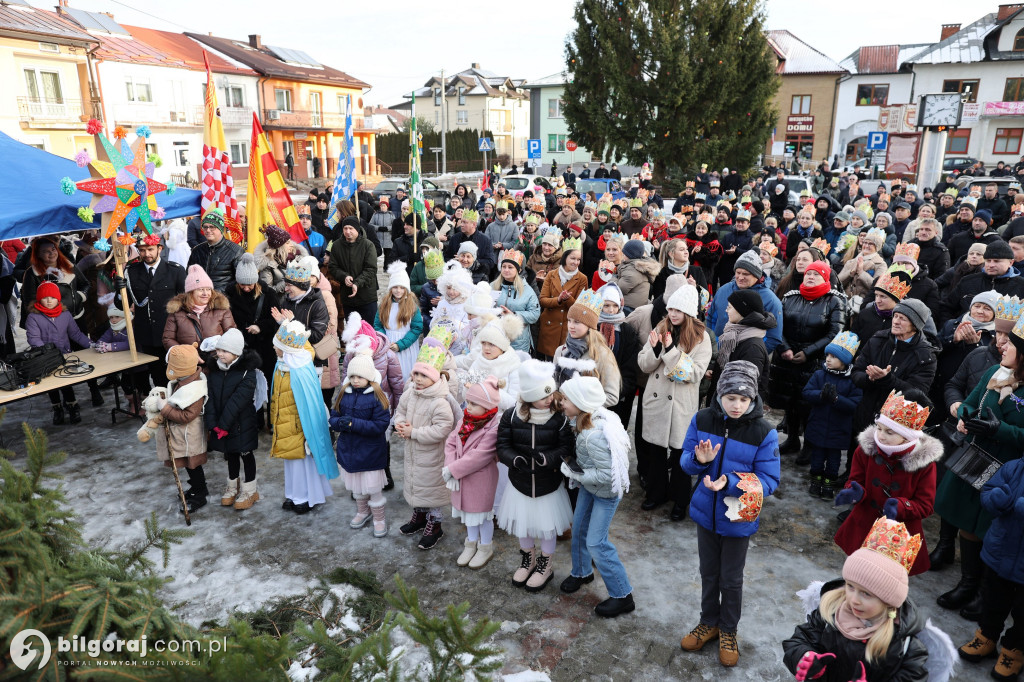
544 517
364 482
303 483
499 492
472 518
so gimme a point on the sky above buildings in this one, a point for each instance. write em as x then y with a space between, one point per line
399 44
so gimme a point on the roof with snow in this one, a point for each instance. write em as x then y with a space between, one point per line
797 57
963 47
476 81
880 58
560 78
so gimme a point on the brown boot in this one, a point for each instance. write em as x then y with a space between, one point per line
728 649
227 498
522 574
1009 665
542 573
698 637
248 496
979 648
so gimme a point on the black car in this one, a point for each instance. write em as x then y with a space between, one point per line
431 191
957 163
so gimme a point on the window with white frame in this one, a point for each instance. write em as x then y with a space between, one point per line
283 99
138 89
181 154
462 96
554 108
461 117
239 153
44 86
233 96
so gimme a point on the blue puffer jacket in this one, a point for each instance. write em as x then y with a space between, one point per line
1003 497
717 316
526 306
749 444
831 424
361 422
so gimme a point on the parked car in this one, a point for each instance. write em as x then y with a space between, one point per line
967 180
522 183
861 168
431 191
797 184
600 186
957 163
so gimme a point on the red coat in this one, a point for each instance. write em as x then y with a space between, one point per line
910 478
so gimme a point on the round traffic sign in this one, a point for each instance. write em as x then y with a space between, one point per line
570 145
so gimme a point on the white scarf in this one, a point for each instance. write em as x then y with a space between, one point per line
565 276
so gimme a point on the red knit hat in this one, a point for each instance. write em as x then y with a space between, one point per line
822 268
48 290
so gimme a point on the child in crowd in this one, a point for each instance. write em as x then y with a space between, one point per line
425 416
361 416
301 436
455 285
471 471
516 297
585 348
50 322
864 627
833 398
184 444
399 319
601 473
231 414
735 479
533 441
892 473
429 294
115 340
495 357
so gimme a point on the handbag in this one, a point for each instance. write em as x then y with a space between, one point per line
972 464
325 347
35 364
8 378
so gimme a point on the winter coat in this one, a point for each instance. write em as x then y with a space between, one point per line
331 375
361 422
554 314
960 244
61 331
869 321
506 233
402 250
1002 497
968 374
924 289
658 286
219 261
958 299
934 256
386 362
956 501
381 222
634 279
73 289
594 456
311 310
118 340
150 296
749 445
626 348
668 405
810 326
905 661
533 453
357 260
913 365
413 335
184 430
475 465
526 306
607 371
909 478
753 351
717 317
269 266
543 266
246 310
230 405
861 283
428 292
831 424
288 440
954 353
485 248
184 326
709 254
432 412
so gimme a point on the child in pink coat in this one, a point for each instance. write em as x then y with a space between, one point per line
471 470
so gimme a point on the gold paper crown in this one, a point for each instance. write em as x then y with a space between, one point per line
747 506
905 412
821 245
893 283
572 244
537 205
911 250
684 371
604 207
690 184
636 203
532 219
471 215
891 539
443 334
432 356
590 300
592 205
293 334
847 340
512 255
1009 308
500 206
1018 329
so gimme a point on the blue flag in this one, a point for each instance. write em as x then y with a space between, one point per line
345 178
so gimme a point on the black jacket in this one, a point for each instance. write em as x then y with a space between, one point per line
869 322
247 310
934 256
808 326
924 289
961 243
997 207
967 376
905 661
533 453
658 285
402 249
219 262
958 300
626 350
913 365
150 296
312 312
230 404
752 350
485 248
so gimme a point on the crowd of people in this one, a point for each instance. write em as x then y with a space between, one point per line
520 339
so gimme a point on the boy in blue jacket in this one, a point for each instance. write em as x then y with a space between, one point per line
736 452
833 398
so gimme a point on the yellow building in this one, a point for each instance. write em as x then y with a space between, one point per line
51 94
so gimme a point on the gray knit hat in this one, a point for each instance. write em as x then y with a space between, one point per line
739 377
750 262
916 311
245 271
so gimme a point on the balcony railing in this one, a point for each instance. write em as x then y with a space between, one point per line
236 116
306 118
47 110
137 113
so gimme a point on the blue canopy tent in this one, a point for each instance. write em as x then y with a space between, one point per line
32 203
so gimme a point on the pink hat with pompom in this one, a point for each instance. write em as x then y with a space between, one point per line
196 278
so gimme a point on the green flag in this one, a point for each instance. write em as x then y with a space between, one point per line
415 184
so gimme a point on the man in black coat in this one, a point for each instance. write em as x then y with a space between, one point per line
218 255
934 256
614 173
152 281
999 275
601 172
981 232
994 204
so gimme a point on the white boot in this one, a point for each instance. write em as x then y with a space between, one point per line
248 496
230 493
482 556
467 553
362 512
380 524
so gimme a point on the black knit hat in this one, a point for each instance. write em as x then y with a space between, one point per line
998 249
746 301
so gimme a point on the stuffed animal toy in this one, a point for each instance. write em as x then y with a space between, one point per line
153 403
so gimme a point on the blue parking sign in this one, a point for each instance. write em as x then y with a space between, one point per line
877 140
533 148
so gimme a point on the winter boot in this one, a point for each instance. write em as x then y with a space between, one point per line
815 488
971 568
74 414
248 496
194 504
467 554
58 414
196 496
615 606
390 485
804 458
526 566
417 523
945 550
974 609
230 494
482 556
699 636
542 573
97 397
728 649
363 514
380 524
1009 665
828 488
432 534
979 648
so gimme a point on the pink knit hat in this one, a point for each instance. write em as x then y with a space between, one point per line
196 278
485 394
366 329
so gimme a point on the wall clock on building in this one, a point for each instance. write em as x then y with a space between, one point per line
940 109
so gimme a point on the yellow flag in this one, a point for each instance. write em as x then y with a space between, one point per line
268 202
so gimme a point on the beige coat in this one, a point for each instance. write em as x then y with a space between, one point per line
607 372
331 376
432 413
860 283
635 278
670 405
184 429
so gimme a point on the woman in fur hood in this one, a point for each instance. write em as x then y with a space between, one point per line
197 314
273 255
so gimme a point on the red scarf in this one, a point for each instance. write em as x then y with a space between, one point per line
49 312
471 423
815 292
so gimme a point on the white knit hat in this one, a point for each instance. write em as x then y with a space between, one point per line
397 276
685 299
469 247
611 293
481 301
312 264
231 341
455 276
502 331
536 380
586 393
361 365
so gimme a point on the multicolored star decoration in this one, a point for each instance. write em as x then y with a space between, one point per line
122 184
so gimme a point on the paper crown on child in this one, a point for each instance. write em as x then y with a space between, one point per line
657 214
636 202
844 346
587 308
292 334
432 355
592 205
882 564
1008 311
905 413
690 184
297 273
572 244
443 334
532 219
512 256
499 206
906 253
700 196
896 281
470 215
892 539
684 370
747 506
821 245
433 264
604 207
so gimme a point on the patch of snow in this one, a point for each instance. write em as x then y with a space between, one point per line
298 673
527 676
509 626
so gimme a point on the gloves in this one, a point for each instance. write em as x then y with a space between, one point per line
812 665
851 495
891 508
984 424
569 473
452 484
446 474
120 283
220 432
828 393
863 677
